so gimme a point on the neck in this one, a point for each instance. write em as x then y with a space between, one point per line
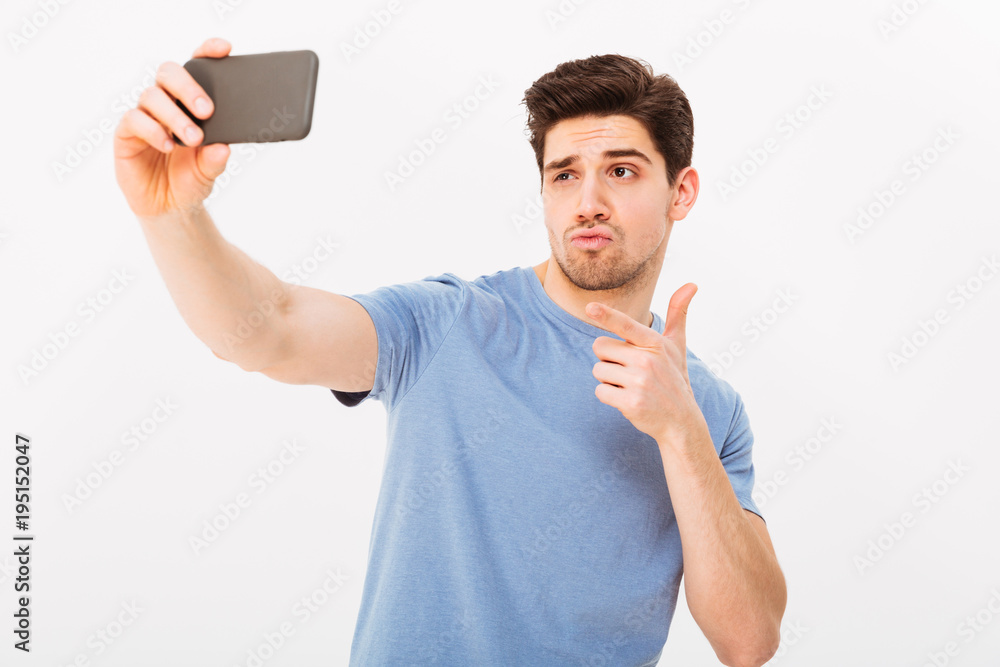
633 300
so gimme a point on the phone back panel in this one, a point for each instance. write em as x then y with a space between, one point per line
258 97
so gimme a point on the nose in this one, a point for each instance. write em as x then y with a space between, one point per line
593 202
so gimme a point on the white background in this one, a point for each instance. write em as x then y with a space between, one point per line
825 357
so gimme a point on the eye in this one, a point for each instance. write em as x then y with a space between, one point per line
615 170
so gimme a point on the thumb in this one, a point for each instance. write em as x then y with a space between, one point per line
676 320
212 159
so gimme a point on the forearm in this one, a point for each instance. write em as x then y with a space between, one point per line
230 302
733 585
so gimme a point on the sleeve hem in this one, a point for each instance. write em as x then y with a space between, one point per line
353 398
753 508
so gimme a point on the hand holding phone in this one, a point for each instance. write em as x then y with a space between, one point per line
270 98
157 174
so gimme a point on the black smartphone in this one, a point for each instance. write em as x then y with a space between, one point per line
258 97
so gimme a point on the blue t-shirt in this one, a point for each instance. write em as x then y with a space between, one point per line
520 520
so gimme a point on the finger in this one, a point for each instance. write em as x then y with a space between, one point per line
213 47
137 125
618 322
212 159
178 82
614 350
677 312
613 374
160 107
609 394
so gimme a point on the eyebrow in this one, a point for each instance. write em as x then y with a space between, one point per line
608 155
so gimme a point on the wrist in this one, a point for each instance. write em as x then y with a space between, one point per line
681 437
186 213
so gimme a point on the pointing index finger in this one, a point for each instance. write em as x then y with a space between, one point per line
618 322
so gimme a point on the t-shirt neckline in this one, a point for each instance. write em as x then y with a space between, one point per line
592 331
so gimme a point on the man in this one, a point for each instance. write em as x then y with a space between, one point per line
557 457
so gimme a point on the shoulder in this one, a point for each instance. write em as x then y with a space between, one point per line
445 297
494 291
433 293
491 285
718 399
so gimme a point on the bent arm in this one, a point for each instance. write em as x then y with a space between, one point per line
228 300
246 315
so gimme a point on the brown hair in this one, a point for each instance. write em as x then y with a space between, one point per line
613 84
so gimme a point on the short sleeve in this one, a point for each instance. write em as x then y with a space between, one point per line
411 322
737 457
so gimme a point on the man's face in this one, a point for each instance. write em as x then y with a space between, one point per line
626 196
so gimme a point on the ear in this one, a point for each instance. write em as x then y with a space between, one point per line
685 193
